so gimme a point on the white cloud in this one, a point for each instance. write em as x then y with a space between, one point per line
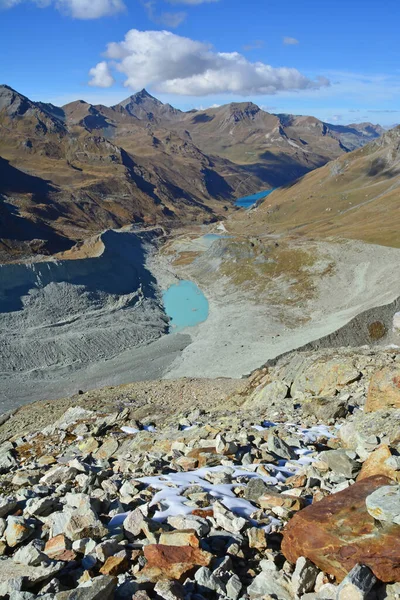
78 9
256 45
173 64
168 19
171 19
101 76
9 3
290 41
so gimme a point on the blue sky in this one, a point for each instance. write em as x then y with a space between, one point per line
337 60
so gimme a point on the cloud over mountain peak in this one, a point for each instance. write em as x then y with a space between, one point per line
173 64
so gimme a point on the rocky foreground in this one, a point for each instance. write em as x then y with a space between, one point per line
288 488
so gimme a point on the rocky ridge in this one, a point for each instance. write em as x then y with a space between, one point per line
287 488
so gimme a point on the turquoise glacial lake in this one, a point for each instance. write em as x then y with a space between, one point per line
248 201
185 304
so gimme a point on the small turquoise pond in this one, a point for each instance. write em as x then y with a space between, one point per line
209 238
248 201
185 304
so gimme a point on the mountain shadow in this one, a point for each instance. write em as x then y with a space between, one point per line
15 181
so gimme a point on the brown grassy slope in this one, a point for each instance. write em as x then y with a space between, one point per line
357 196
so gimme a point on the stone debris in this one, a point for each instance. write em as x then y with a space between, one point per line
240 506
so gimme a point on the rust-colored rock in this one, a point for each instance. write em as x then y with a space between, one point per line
376 464
187 463
56 546
115 565
203 512
296 481
384 390
206 457
338 532
172 562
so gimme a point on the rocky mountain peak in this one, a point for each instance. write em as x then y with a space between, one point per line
140 98
14 102
243 110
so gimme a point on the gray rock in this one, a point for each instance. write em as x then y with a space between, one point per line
84 545
255 488
7 505
233 587
207 582
99 588
57 521
14 576
227 520
325 409
340 463
39 507
73 414
200 525
133 524
85 524
58 474
304 576
269 583
277 446
7 460
31 554
106 549
384 504
357 584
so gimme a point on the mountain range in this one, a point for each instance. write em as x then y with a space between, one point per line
67 172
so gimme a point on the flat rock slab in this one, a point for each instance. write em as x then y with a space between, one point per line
338 532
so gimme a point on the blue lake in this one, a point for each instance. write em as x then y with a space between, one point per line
209 238
248 201
185 304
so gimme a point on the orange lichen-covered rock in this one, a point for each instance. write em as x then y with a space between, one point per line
172 562
384 390
376 464
338 532
115 565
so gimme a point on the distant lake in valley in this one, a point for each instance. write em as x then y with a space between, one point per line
248 201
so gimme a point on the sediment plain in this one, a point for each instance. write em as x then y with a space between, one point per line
94 316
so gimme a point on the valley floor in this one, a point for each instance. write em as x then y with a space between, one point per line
99 321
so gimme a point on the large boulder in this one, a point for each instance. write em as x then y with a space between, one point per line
384 389
266 395
364 431
325 377
338 532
